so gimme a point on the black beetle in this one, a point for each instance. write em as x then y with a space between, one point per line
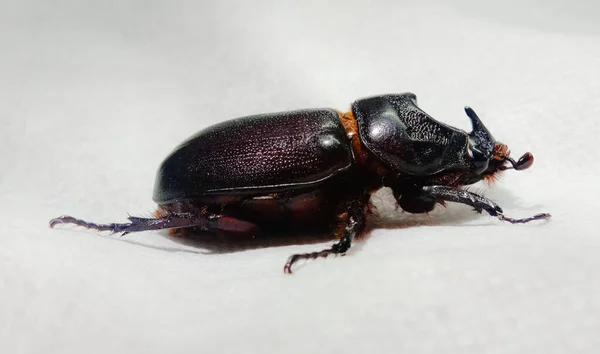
318 168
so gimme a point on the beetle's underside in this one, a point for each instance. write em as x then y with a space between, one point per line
316 170
250 217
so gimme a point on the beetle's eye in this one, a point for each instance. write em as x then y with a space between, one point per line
480 162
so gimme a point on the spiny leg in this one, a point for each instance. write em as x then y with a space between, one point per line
478 202
355 223
203 221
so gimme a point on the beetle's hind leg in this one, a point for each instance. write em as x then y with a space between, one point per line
354 224
436 193
204 221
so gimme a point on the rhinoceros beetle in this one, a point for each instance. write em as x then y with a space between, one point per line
317 168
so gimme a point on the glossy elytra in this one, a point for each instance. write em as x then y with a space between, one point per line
317 168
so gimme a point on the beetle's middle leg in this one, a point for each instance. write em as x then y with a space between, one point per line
479 203
354 224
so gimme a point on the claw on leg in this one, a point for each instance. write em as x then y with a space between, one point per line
339 248
135 224
542 216
65 219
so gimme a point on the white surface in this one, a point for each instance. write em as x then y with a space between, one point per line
93 95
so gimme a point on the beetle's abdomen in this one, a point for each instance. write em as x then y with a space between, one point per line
262 153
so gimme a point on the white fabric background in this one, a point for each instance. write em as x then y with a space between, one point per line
93 95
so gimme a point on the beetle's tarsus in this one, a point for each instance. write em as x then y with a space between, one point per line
204 221
542 216
336 249
66 219
354 224
136 224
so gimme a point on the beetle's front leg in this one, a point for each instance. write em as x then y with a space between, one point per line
479 203
355 223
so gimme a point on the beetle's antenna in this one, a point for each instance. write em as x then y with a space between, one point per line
524 162
512 162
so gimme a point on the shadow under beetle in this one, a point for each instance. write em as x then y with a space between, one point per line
317 168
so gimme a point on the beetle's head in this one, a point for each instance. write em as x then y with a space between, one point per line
489 157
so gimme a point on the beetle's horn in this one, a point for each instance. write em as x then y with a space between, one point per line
480 136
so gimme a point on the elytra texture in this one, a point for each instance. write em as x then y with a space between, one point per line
256 154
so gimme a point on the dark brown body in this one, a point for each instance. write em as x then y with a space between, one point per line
282 197
314 208
306 210
315 170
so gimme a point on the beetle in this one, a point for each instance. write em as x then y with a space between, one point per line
317 168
